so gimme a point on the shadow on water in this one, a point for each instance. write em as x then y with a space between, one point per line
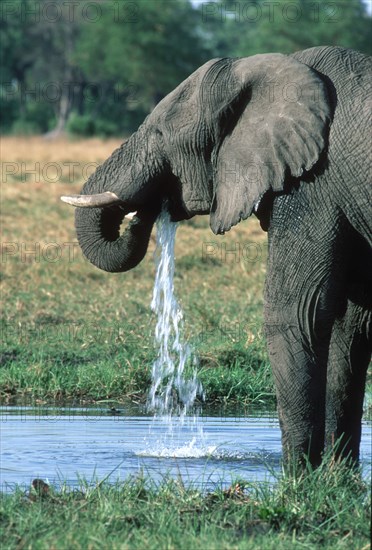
65 445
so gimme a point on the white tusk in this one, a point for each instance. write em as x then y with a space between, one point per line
92 201
131 215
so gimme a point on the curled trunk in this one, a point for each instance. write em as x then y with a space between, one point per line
98 233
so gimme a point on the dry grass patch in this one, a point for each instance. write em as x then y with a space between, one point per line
37 148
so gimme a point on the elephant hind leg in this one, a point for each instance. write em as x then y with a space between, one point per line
349 357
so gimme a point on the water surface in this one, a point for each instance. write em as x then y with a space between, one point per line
65 445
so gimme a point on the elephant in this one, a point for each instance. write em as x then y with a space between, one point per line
284 137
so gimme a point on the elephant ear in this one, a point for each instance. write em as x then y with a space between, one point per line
272 121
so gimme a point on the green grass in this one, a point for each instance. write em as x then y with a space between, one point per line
328 508
52 371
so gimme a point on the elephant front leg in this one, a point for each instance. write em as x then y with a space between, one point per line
300 383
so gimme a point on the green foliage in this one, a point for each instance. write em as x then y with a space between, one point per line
159 48
300 24
81 125
103 65
65 364
247 28
238 375
328 508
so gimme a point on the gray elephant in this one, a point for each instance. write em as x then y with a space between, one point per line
286 138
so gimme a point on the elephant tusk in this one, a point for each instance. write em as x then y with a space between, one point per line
92 201
130 216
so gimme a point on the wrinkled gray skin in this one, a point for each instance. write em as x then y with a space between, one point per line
293 133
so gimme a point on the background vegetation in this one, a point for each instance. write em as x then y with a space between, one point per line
98 67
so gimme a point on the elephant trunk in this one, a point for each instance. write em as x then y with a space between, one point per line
98 233
125 182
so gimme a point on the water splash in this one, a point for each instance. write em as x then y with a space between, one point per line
192 449
175 386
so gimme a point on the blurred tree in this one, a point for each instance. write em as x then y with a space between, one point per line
286 27
145 51
223 25
61 79
38 40
16 42
99 66
16 58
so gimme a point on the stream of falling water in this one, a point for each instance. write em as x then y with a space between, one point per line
175 386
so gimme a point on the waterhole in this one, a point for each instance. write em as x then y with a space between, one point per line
65 445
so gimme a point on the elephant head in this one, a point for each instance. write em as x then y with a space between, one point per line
232 131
